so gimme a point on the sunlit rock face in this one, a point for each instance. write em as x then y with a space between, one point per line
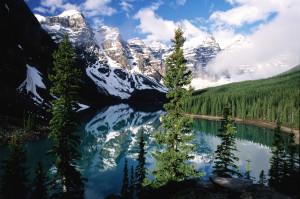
105 60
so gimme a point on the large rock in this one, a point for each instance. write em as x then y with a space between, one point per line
243 189
231 184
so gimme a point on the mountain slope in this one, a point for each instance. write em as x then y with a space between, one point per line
104 59
25 52
266 99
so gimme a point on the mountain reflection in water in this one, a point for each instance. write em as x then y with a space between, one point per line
110 134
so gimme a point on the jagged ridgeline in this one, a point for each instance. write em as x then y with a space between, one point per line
266 99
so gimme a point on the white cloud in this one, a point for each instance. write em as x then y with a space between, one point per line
90 8
249 11
226 36
40 9
157 28
97 23
97 7
154 26
126 6
275 48
181 2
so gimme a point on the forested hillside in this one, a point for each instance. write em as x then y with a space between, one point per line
265 99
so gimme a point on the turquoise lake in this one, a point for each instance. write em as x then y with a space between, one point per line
110 134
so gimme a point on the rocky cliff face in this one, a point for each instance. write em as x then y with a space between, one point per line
25 52
134 56
105 59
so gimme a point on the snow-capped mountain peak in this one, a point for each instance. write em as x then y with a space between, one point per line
158 46
69 13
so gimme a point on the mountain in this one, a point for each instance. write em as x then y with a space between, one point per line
109 64
25 59
133 56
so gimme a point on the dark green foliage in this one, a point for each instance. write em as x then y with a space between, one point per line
225 159
247 174
278 159
29 121
65 80
293 156
14 181
141 171
132 183
253 99
40 190
262 178
125 184
175 140
291 177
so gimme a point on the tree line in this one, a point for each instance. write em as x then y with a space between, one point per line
271 99
172 168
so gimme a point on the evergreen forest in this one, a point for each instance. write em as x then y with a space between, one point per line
271 99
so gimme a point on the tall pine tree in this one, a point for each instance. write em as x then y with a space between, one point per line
262 178
65 80
14 180
277 161
141 171
125 184
132 183
225 165
177 136
40 187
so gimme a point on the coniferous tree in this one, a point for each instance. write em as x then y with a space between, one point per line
293 157
277 161
14 180
225 165
262 178
141 171
125 184
65 80
132 183
177 136
40 190
291 177
248 170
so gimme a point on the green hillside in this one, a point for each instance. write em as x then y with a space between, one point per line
265 99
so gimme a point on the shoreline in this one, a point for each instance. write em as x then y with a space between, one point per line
258 123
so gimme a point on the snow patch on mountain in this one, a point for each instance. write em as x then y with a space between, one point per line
82 107
32 81
69 13
40 18
7 8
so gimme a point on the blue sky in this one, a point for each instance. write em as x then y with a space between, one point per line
270 27
130 15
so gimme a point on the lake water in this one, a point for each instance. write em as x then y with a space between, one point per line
110 134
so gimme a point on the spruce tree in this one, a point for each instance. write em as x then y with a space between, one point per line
132 183
14 180
262 178
141 171
65 79
176 139
225 165
247 174
291 179
293 157
125 184
277 161
40 190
